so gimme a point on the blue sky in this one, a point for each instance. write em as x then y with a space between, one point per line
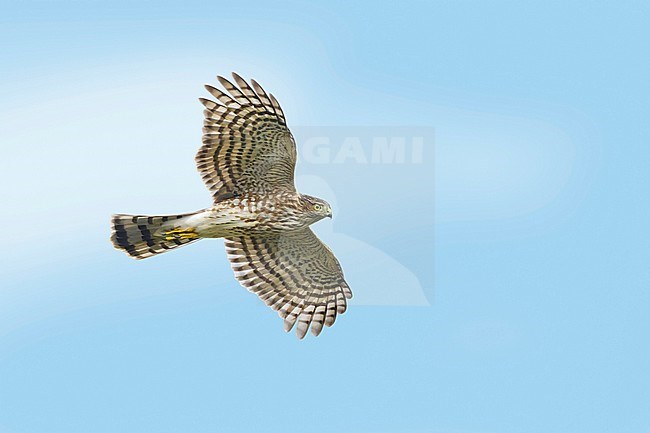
501 275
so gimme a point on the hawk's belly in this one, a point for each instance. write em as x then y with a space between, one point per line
226 219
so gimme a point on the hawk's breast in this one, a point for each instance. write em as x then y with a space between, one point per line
252 214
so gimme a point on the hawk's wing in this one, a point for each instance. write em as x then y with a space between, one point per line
295 274
247 146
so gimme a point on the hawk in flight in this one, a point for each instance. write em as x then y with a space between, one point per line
247 162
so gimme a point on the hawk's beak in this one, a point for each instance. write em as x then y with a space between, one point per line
329 215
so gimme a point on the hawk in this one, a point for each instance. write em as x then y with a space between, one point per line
247 161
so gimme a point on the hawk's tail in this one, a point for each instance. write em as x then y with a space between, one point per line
142 236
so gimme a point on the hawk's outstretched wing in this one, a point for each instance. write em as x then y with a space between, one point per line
247 146
295 274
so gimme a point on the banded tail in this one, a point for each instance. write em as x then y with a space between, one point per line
142 236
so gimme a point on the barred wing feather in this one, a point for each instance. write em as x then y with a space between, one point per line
247 146
295 274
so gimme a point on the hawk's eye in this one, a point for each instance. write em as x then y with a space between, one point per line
318 207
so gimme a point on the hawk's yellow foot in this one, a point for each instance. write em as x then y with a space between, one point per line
181 233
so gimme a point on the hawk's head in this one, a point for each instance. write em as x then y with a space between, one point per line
315 208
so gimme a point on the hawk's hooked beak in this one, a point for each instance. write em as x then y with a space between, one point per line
329 215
